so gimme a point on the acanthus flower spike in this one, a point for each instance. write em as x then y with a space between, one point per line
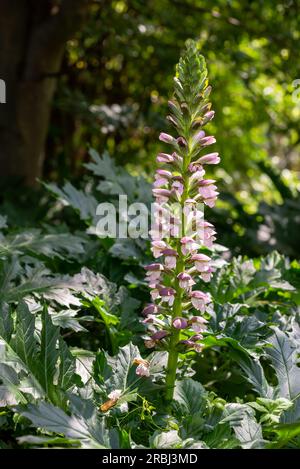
176 319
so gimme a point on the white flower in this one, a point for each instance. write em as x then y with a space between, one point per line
115 395
143 370
123 407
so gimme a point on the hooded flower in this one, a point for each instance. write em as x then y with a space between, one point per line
167 295
211 158
199 300
180 323
198 323
185 280
201 262
150 309
188 245
158 247
170 258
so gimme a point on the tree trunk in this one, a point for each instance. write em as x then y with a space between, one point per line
33 34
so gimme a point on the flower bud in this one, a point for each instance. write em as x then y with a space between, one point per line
166 138
204 142
211 158
208 116
181 142
198 136
164 158
150 309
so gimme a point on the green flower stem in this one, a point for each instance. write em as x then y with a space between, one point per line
177 307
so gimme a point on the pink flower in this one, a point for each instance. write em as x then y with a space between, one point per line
159 335
201 262
181 142
160 182
193 345
211 158
167 295
153 282
194 167
174 227
173 121
210 202
205 141
158 247
196 337
209 233
206 276
178 159
198 323
180 323
170 258
206 184
154 267
157 232
153 273
152 319
162 177
188 245
205 232
189 206
150 309
197 176
207 191
163 173
208 117
198 136
154 294
185 280
162 195
164 158
177 186
149 319
199 300
166 138
208 241
143 370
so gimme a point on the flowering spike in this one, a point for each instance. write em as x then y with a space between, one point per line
175 320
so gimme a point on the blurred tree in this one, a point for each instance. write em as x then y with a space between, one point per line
33 34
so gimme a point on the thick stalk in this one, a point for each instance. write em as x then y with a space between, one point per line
177 307
173 353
